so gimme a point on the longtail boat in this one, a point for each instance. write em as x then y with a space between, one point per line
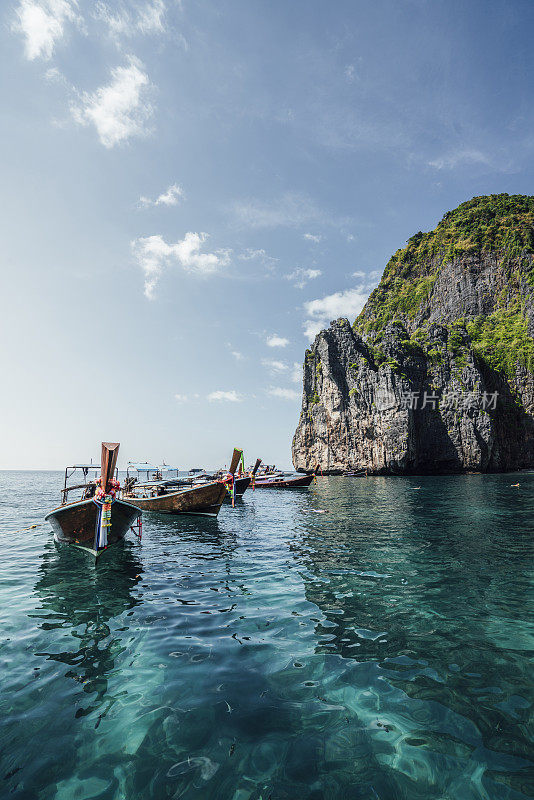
299 482
237 484
273 479
241 485
99 519
174 496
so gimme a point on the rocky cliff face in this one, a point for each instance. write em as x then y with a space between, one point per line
436 374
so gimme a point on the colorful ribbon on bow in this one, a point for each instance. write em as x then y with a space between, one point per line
230 487
104 520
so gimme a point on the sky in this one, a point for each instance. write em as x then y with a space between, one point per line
190 191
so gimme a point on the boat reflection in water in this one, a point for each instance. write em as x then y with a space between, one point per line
79 606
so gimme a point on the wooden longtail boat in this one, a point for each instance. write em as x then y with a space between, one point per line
237 484
241 482
270 478
284 482
99 519
241 485
204 499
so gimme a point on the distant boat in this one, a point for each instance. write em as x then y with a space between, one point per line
173 496
99 519
299 482
237 484
163 472
271 478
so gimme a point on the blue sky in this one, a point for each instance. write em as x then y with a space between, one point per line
190 191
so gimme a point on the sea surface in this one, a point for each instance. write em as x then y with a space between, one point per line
380 650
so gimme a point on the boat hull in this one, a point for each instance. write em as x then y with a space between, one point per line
77 523
288 483
241 486
205 500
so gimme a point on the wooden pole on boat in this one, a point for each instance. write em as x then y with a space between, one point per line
256 466
110 453
235 461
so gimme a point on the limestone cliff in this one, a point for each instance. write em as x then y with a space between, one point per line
436 374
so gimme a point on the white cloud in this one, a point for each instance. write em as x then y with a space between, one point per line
284 394
350 73
250 253
129 19
322 311
301 276
150 17
181 398
296 372
118 110
312 238
42 23
53 75
312 328
259 255
276 341
118 23
230 397
153 254
275 366
292 210
237 355
358 274
459 157
170 197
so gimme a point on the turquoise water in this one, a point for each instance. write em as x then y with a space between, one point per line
380 650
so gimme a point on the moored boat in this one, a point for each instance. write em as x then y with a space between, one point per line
241 485
237 484
99 519
298 482
271 478
172 497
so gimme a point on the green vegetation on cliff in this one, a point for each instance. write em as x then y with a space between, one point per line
501 224
494 223
500 227
502 339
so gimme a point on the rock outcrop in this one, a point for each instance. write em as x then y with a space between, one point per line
436 374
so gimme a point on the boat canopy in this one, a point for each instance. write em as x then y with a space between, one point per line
153 468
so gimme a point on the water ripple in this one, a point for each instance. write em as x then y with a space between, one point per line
379 650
